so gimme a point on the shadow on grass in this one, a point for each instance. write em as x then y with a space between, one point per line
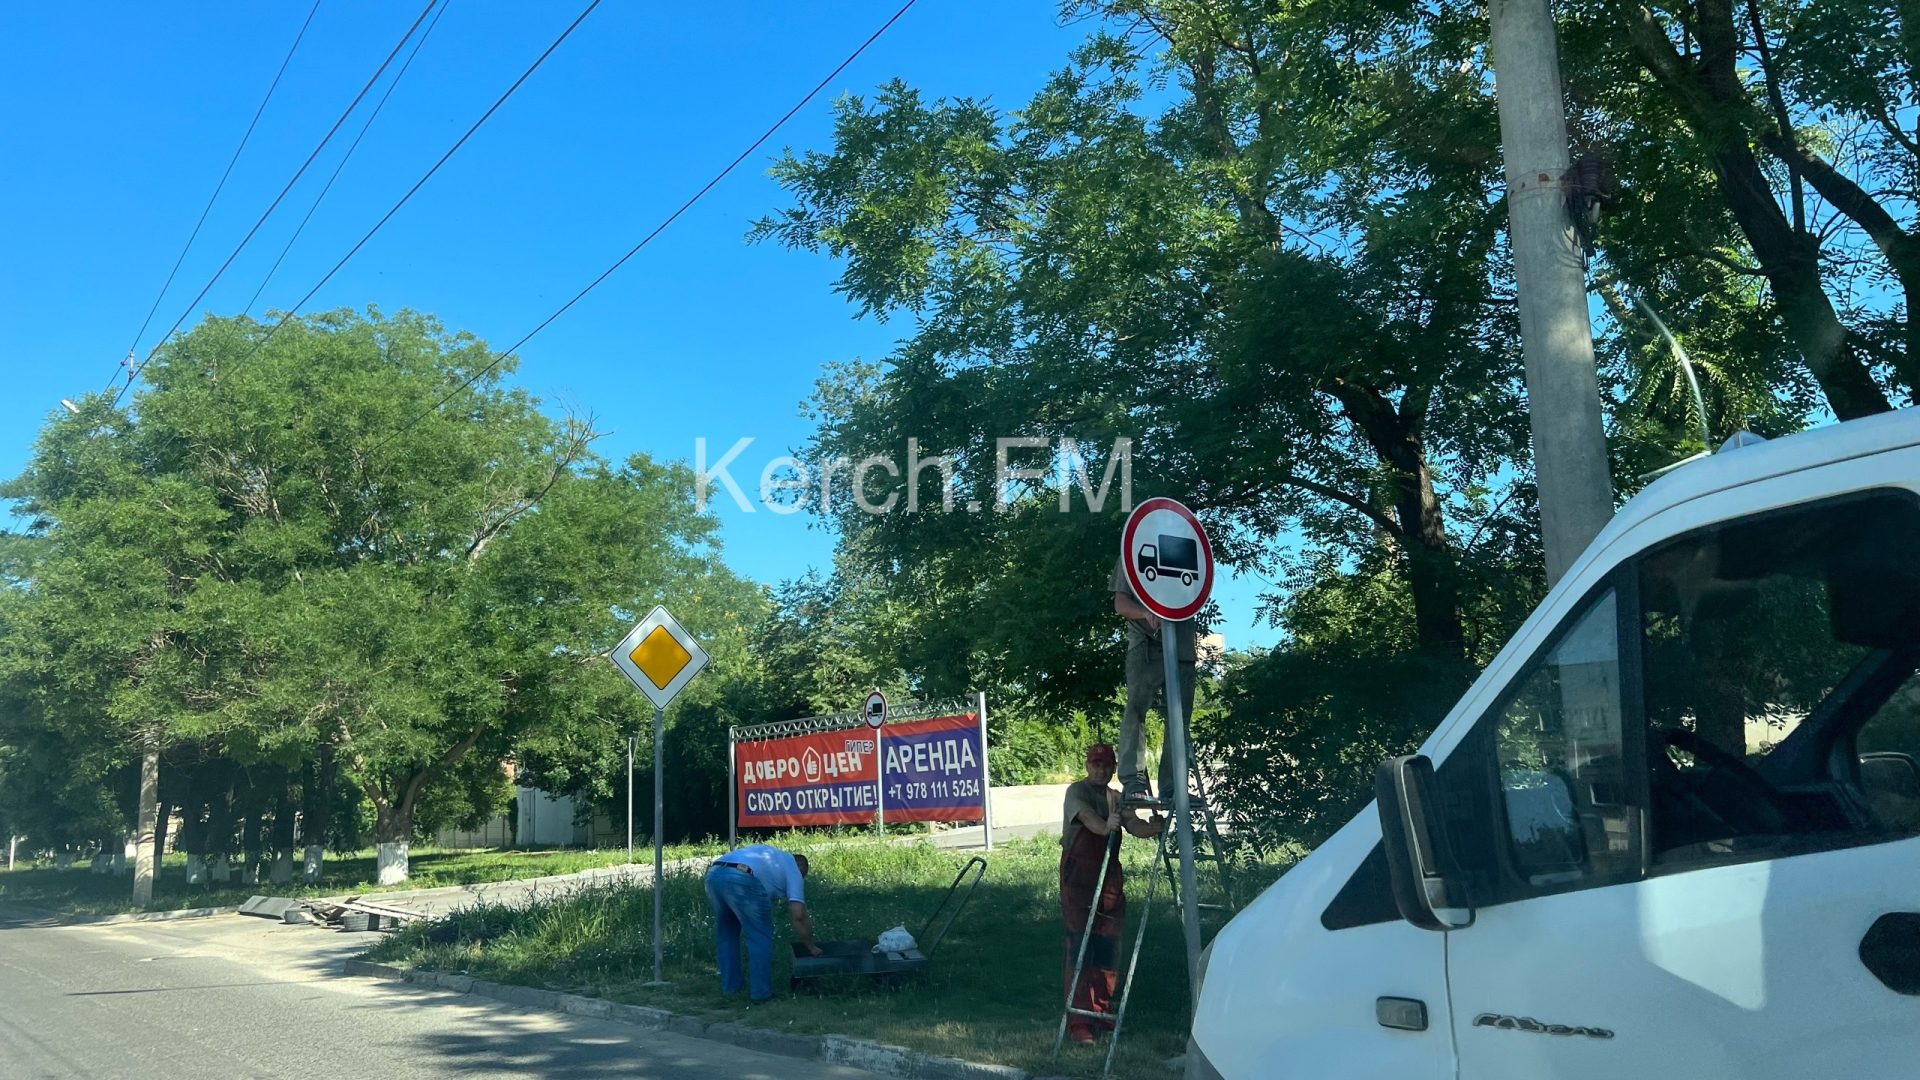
992 992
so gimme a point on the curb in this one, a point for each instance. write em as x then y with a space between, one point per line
837 1049
636 873
63 919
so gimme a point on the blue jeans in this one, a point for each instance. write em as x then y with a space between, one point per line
740 905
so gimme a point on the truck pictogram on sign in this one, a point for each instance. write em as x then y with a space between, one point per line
1175 555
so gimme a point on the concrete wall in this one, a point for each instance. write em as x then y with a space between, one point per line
495 833
1028 804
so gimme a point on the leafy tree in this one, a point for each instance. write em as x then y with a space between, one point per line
111 647
1287 289
1779 119
286 552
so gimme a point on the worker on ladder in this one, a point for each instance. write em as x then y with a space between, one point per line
1147 685
1091 820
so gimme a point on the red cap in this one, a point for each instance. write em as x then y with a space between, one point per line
1101 752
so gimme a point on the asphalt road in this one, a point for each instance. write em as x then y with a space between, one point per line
237 998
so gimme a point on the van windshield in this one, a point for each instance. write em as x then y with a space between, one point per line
1769 644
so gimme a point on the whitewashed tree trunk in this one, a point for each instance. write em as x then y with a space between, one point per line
282 868
63 860
221 870
101 862
145 859
391 861
196 869
250 869
313 863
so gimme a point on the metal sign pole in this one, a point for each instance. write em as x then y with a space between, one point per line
986 778
630 740
880 781
1182 805
659 806
733 788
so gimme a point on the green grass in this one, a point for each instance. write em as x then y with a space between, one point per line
79 891
993 992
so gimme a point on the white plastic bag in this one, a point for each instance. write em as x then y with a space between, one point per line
896 940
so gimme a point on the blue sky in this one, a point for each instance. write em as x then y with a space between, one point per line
120 118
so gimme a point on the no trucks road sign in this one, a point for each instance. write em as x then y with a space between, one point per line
1169 562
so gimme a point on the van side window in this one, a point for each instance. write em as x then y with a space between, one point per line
1782 702
1564 779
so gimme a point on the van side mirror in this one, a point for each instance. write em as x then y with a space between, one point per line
1428 886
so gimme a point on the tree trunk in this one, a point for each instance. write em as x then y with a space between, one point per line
1432 574
161 823
280 836
392 832
193 835
316 804
220 829
152 834
250 829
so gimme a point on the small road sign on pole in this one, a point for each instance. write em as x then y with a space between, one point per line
875 712
1170 566
660 657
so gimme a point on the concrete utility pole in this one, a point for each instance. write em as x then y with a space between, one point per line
1563 395
146 857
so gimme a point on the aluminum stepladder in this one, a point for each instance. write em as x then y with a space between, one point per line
1211 850
1119 1016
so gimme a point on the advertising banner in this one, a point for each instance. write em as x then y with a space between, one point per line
825 778
933 767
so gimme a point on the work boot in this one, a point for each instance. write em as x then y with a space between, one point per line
1136 789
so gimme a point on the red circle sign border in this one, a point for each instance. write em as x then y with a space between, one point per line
1161 502
867 713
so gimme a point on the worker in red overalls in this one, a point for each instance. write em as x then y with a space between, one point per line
1090 816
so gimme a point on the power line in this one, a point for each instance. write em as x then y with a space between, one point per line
298 173
384 218
501 356
344 158
217 188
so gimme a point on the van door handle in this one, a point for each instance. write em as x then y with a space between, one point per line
1891 950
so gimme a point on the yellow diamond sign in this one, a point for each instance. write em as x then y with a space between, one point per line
659 656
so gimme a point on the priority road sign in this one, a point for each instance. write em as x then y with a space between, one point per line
1169 562
659 656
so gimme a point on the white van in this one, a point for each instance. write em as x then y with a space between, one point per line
1672 830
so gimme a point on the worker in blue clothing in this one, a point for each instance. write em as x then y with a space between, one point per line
742 886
